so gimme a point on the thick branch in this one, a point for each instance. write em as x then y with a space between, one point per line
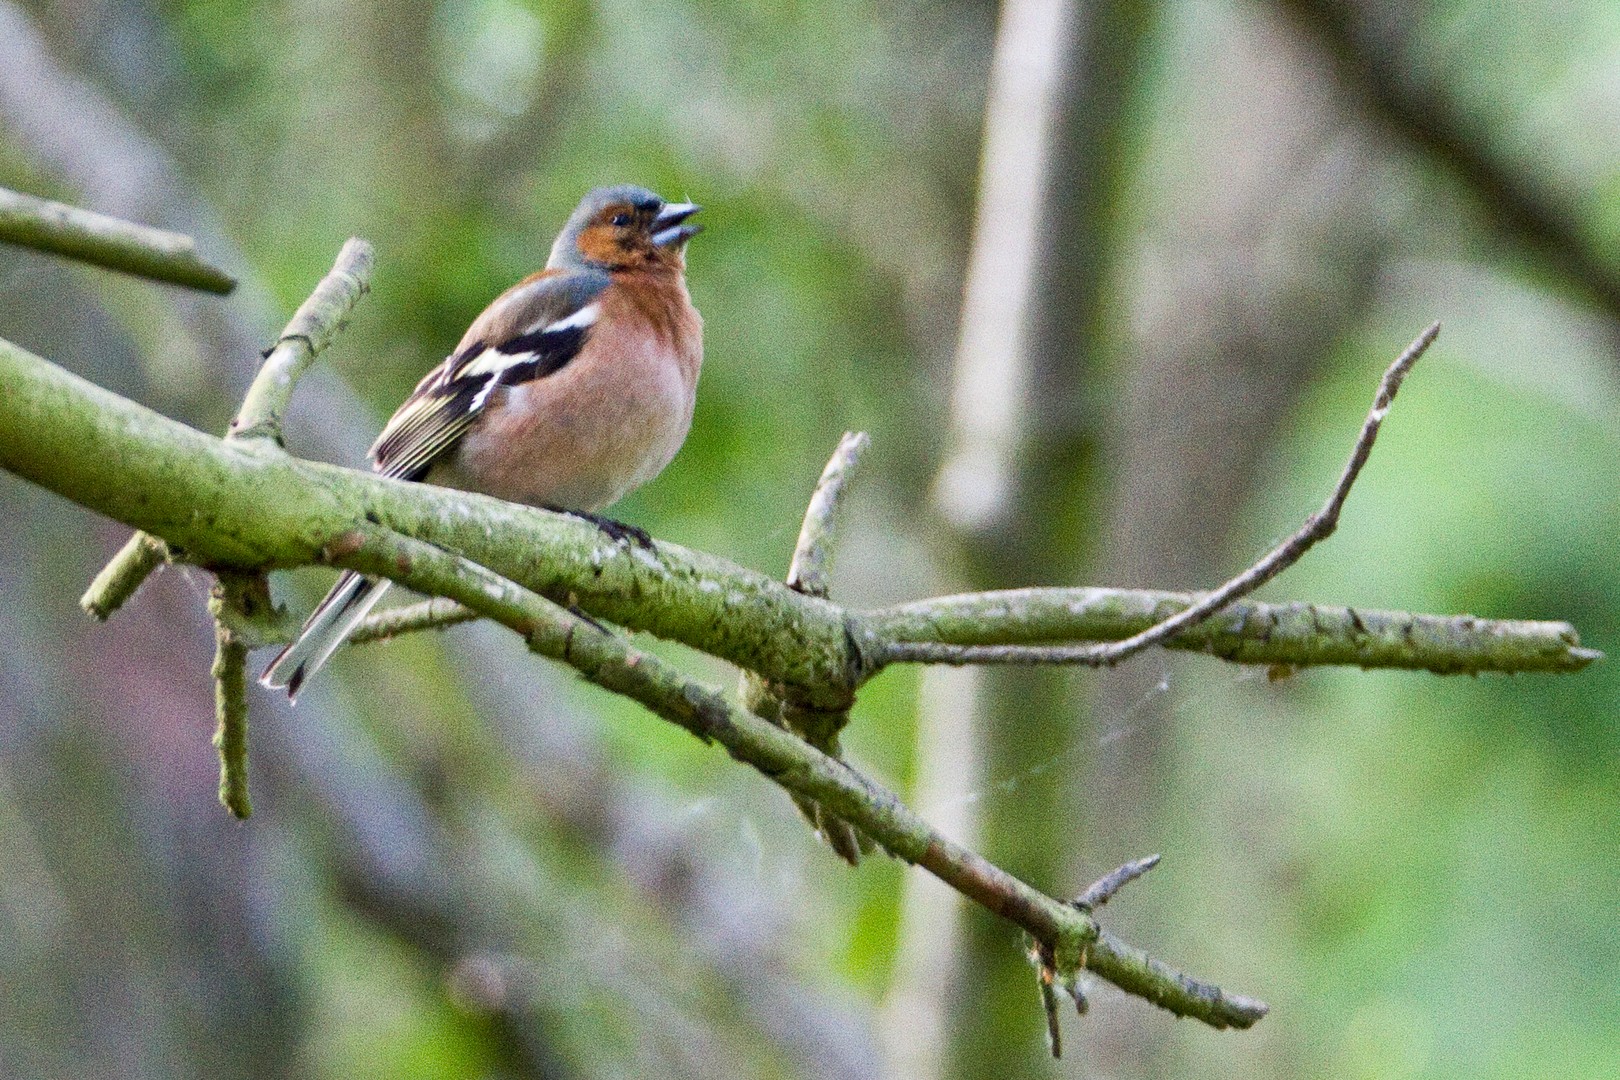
244 505
248 506
107 242
999 627
1071 936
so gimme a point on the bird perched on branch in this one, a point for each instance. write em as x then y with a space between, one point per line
573 387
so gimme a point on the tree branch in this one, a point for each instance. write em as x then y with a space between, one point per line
808 574
1318 527
1303 635
812 555
998 625
1048 980
243 505
1102 890
1069 935
124 573
231 713
240 506
435 614
310 330
235 599
108 242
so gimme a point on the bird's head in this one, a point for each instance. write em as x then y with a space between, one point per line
625 227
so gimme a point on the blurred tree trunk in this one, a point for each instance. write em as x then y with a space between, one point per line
1380 57
1017 481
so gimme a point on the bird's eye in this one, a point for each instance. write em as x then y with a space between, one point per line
620 220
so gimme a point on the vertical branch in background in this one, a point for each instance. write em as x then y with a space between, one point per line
973 492
1016 481
1377 59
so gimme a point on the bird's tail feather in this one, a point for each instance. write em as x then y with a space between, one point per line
328 626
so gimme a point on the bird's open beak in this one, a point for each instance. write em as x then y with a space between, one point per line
667 228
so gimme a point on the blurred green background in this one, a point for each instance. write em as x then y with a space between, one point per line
465 863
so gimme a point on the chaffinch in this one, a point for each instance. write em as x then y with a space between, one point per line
573 387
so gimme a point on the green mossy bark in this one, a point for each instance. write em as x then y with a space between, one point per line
107 242
247 505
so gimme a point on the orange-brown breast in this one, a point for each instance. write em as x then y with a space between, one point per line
607 422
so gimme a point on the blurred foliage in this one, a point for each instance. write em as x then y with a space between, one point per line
1418 873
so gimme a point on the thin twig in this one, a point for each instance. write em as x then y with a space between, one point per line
1319 526
310 329
1096 895
812 556
123 574
435 614
108 242
1070 936
278 626
1103 889
1049 1005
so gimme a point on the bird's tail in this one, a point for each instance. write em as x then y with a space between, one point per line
328 626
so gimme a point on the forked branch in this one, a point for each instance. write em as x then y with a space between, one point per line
1069 937
242 506
310 330
1318 527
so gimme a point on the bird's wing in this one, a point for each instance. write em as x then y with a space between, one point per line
532 330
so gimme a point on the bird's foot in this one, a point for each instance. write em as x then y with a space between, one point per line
616 530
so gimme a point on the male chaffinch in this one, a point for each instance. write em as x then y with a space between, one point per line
573 387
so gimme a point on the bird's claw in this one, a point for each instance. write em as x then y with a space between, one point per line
617 531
